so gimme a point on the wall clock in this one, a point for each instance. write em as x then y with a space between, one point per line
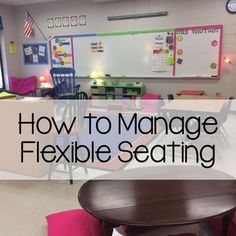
73 20
57 21
231 6
50 22
65 21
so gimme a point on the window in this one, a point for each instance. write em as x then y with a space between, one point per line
1 73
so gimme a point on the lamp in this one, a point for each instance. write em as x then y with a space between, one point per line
94 76
227 60
42 81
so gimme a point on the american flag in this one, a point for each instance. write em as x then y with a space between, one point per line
28 25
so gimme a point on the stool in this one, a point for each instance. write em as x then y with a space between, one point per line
74 223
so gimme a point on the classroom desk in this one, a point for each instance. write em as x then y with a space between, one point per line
199 97
6 95
190 92
112 139
152 203
199 105
10 138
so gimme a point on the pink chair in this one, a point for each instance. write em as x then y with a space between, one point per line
217 225
149 102
23 86
74 223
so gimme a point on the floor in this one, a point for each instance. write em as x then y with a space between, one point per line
24 205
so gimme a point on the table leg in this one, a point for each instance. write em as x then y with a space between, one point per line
226 222
108 228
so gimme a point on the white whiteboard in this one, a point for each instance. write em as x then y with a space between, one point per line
137 54
124 55
200 49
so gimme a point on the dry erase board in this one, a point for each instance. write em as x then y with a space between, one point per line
177 52
198 51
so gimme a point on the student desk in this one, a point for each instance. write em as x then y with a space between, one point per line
6 95
152 203
198 105
190 92
199 97
11 140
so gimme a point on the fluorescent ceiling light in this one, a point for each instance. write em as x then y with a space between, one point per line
137 16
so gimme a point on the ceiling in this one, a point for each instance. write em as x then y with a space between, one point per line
25 2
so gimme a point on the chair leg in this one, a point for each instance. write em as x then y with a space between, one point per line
224 130
50 170
85 169
65 167
70 173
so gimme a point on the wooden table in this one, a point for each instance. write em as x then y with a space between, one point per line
152 203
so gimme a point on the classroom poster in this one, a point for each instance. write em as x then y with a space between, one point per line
97 47
12 47
35 54
62 52
163 50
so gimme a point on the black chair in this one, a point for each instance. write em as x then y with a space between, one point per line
81 96
224 115
64 83
170 97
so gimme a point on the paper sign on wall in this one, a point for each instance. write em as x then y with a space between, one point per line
12 47
28 51
42 50
163 51
35 58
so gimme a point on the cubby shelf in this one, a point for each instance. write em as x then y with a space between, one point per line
118 91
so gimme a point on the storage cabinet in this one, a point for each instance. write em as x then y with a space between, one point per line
130 92
118 91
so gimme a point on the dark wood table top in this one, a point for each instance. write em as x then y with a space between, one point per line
158 202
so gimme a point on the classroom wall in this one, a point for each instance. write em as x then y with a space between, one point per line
181 13
8 34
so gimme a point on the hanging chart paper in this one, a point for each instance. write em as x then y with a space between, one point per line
62 52
163 49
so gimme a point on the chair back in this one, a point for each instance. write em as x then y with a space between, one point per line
23 86
170 97
82 106
225 110
64 81
81 96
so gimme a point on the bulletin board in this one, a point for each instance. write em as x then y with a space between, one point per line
198 51
174 52
35 54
